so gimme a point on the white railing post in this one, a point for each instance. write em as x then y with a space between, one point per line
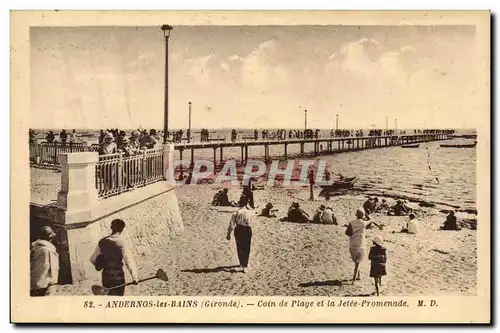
168 155
78 192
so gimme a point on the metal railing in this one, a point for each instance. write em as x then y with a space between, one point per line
49 152
34 153
116 173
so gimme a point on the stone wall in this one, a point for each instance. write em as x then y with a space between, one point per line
150 224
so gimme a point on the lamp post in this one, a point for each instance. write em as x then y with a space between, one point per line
305 121
396 125
337 122
166 33
386 123
189 126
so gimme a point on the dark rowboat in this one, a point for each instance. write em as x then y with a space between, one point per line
340 185
470 145
410 146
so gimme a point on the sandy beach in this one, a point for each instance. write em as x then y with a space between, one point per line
301 259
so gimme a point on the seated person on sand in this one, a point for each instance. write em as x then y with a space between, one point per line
370 205
243 200
268 211
451 222
318 216
400 209
324 215
329 217
224 199
296 214
411 226
216 198
383 207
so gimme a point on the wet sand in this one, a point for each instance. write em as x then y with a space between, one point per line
301 259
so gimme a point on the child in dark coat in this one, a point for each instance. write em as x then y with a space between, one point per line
378 258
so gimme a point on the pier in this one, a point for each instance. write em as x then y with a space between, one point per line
323 145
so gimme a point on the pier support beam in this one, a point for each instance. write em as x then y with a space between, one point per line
246 154
180 156
221 155
286 151
302 149
215 156
192 159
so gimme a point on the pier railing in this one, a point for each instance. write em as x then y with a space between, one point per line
47 153
116 173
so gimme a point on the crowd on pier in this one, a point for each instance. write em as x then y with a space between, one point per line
179 136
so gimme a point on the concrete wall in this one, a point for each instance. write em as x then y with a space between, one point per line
151 214
150 224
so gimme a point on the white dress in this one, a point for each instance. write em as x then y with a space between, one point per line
357 240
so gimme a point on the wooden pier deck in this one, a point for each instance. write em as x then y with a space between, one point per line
322 145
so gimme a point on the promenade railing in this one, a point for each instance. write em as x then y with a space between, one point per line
116 173
49 152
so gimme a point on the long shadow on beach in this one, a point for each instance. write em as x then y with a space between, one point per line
334 283
362 295
228 269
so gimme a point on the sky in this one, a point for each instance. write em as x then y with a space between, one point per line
254 76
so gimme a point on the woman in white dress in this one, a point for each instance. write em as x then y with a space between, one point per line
356 232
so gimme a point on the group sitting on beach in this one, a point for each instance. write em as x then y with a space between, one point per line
372 205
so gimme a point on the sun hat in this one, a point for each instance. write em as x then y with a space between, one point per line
378 240
109 136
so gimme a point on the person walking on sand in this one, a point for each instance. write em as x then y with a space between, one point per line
110 254
240 223
378 258
44 264
356 232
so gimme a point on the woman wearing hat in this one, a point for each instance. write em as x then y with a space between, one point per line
378 258
356 232
108 146
240 222
44 264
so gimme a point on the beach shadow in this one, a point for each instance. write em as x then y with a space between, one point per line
228 269
362 295
329 283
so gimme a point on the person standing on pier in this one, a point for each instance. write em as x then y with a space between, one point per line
63 136
240 223
110 255
149 141
50 137
108 146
